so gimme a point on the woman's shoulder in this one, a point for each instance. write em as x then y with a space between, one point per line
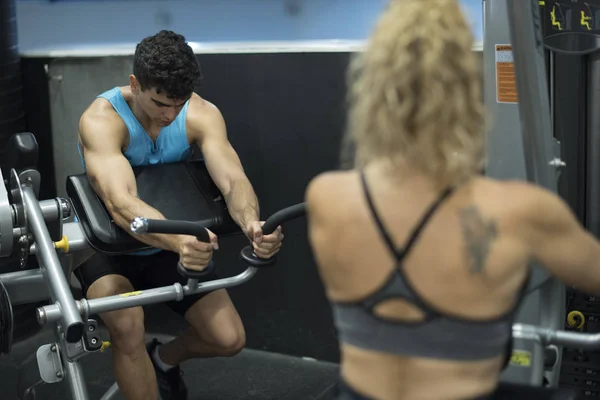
337 179
334 204
517 201
337 195
512 191
333 190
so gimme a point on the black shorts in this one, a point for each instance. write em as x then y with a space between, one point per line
143 271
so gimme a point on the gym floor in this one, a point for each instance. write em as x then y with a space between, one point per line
252 374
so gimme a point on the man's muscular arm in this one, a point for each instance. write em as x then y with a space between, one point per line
206 125
112 177
225 167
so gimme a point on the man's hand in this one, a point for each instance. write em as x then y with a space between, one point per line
265 246
194 254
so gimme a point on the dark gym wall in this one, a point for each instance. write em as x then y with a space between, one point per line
285 115
12 114
37 111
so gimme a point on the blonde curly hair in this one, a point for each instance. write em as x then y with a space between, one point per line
415 93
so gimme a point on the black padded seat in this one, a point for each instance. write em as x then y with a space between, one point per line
511 391
180 191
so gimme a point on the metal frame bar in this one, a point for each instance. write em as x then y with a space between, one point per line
532 86
51 268
49 281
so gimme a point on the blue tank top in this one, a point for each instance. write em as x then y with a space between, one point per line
171 144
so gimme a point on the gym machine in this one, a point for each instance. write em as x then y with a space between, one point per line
521 146
29 226
32 227
539 58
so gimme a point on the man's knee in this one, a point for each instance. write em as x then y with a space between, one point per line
225 339
126 328
218 324
230 340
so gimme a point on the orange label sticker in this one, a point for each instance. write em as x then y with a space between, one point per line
506 84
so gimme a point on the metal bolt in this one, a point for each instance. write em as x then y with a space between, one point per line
53 348
94 340
91 328
59 374
66 208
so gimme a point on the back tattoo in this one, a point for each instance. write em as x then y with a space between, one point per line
479 235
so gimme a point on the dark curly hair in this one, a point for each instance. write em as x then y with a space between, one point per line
167 63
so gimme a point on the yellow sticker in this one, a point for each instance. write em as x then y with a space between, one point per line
521 358
131 294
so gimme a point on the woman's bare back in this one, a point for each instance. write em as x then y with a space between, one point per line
466 261
470 261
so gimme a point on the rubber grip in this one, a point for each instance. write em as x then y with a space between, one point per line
191 274
178 228
281 216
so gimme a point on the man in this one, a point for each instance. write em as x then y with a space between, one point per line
155 120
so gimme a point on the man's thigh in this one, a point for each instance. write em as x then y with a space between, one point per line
216 320
103 276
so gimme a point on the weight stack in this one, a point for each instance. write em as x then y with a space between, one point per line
12 111
580 369
12 120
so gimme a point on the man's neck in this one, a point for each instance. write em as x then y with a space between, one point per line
143 119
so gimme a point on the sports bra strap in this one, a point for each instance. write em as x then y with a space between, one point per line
432 209
382 230
401 253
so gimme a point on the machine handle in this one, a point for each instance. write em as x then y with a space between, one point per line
176 227
280 217
561 338
285 215
191 274
145 225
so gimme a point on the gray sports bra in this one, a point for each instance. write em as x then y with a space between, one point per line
438 335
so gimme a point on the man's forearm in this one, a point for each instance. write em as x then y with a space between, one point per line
242 203
125 211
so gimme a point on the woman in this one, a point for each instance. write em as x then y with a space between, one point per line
423 259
